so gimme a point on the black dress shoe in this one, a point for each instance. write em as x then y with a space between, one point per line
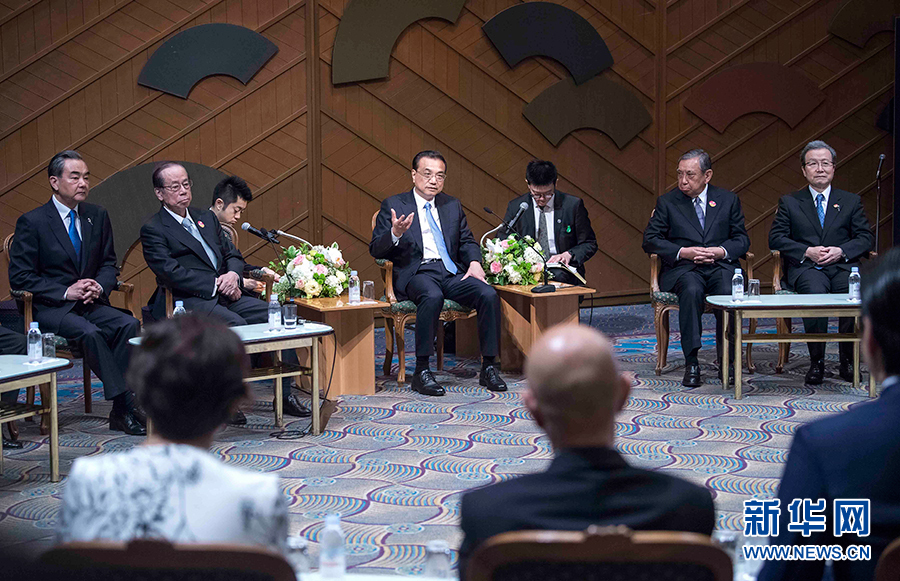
237 419
692 375
491 379
292 407
425 383
12 444
846 371
816 372
140 415
126 422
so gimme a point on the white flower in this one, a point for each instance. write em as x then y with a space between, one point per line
332 281
532 256
515 277
312 288
492 247
333 254
537 267
510 269
341 276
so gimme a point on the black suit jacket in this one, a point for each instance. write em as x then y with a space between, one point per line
796 227
851 455
180 263
572 231
583 487
674 225
42 259
407 254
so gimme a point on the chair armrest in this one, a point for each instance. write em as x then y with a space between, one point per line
269 279
654 273
127 289
776 270
170 304
749 258
25 298
387 277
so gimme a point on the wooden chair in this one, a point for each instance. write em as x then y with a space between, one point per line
888 567
400 313
663 302
159 560
63 347
609 553
255 274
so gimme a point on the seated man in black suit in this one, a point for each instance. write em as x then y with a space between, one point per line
188 251
425 234
11 343
563 228
821 233
575 389
698 232
63 254
230 199
852 455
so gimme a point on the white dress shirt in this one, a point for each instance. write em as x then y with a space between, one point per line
180 220
548 210
825 193
429 246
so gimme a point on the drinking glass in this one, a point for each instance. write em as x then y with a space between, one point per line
289 315
437 559
753 289
49 345
368 290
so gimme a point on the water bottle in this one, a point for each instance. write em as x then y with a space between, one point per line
737 286
35 346
354 288
274 313
179 309
437 559
854 284
332 564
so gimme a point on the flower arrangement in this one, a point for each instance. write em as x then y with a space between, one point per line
318 271
512 261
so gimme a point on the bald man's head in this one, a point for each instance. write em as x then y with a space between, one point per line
575 386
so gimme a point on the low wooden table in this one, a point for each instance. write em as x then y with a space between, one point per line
16 373
779 306
525 317
351 349
258 339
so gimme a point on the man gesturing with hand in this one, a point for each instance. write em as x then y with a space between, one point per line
425 234
698 232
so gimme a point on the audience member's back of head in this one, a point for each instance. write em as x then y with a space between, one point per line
880 296
188 375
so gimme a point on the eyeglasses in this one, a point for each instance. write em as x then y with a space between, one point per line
822 164
428 176
175 188
539 195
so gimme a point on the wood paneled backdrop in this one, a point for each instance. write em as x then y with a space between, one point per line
321 158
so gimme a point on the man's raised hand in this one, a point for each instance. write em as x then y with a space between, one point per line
401 224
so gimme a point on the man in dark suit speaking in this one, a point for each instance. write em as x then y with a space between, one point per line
821 233
575 389
425 234
558 221
63 254
698 232
188 251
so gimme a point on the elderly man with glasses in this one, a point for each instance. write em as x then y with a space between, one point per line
821 233
557 220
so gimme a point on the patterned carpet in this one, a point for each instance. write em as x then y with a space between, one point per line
393 464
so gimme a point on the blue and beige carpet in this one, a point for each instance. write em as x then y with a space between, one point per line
394 464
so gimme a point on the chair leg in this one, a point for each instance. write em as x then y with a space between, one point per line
88 404
750 367
781 327
401 351
661 323
29 399
389 324
440 346
45 402
13 430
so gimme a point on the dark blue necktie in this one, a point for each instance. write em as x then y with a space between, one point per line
73 234
820 209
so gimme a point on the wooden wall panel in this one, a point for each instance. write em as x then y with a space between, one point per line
320 159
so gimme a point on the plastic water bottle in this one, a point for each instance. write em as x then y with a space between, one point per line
854 284
35 346
737 286
332 563
354 288
274 313
179 309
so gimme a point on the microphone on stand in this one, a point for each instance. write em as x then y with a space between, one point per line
878 199
292 237
260 232
522 207
542 288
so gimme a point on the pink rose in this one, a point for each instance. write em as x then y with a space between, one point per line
298 260
496 267
299 284
504 244
321 269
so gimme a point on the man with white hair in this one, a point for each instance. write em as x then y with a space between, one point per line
575 389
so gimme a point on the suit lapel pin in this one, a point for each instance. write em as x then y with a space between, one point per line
838 207
568 229
200 223
712 204
91 222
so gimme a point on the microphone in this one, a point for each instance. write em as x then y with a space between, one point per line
522 207
262 233
880 163
292 237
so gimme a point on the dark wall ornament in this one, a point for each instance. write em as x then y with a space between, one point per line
597 104
369 29
859 20
545 29
753 88
203 51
